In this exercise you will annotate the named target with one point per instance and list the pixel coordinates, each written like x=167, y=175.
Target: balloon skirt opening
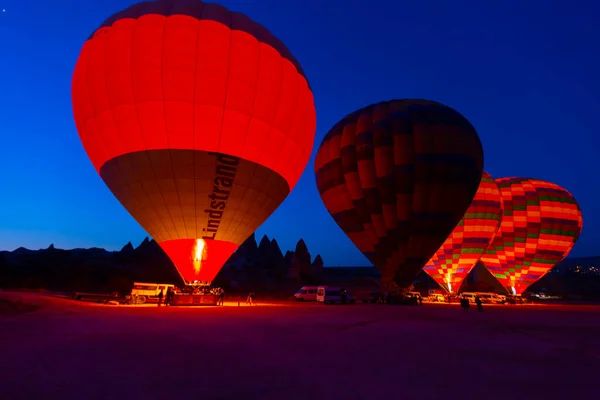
x=198, y=259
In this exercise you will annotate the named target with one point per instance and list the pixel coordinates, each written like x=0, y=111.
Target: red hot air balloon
x=397, y=177
x=470, y=238
x=198, y=120
x=540, y=225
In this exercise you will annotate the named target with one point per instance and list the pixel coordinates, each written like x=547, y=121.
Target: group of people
x=198, y=290
x=204, y=290
x=220, y=293
x=169, y=297
x=202, y=283
x=464, y=303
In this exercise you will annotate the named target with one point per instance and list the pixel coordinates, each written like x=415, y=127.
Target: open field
x=59, y=349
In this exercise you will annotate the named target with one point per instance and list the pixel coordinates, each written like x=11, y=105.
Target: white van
x=306, y=293
x=333, y=295
x=469, y=296
x=490, y=298
x=148, y=292
x=437, y=297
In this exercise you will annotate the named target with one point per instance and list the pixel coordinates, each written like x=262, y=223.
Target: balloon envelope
x=397, y=177
x=470, y=238
x=198, y=120
x=540, y=224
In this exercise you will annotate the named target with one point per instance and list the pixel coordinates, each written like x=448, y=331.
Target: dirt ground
x=61, y=349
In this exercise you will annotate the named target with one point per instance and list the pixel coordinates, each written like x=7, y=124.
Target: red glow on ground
x=183, y=253
x=71, y=349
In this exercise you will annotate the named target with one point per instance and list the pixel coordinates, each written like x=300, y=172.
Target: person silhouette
x=464, y=303
x=479, y=304
x=160, y=297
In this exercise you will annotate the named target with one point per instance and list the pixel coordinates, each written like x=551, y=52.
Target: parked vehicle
x=306, y=293
x=437, y=297
x=515, y=299
x=148, y=292
x=405, y=299
x=413, y=298
x=334, y=295
x=490, y=298
x=469, y=296
x=374, y=297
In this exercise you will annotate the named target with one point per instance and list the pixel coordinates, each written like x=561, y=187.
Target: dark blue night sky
x=525, y=73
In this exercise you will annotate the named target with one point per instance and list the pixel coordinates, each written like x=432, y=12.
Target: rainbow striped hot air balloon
x=540, y=224
x=464, y=247
x=397, y=177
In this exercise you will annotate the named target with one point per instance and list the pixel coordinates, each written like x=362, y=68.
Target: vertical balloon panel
x=345, y=204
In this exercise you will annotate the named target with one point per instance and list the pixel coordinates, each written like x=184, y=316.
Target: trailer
x=97, y=297
x=148, y=292
x=183, y=299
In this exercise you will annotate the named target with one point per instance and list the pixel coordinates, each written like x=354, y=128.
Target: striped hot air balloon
x=540, y=225
x=470, y=238
x=199, y=121
x=397, y=177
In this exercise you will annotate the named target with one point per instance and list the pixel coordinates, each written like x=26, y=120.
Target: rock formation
x=262, y=268
x=251, y=267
